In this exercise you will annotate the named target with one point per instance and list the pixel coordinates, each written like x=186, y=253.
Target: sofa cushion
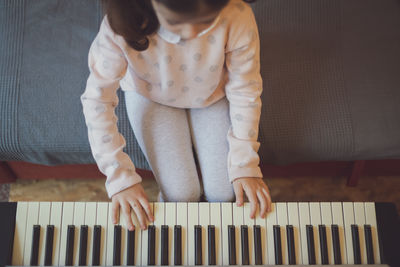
x=44, y=49
x=330, y=71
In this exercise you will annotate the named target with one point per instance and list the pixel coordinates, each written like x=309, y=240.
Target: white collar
x=175, y=38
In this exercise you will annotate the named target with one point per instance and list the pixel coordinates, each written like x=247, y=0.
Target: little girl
x=190, y=72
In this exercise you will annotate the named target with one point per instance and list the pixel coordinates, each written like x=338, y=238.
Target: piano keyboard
x=304, y=233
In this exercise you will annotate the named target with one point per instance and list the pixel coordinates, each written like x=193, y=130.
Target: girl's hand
x=133, y=198
x=255, y=188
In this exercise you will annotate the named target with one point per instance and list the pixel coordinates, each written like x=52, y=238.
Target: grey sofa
x=331, y=73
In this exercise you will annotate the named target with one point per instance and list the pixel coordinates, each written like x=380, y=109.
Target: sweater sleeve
x=243, y=91
x=107, y=65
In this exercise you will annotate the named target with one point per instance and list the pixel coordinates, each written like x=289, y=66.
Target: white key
x=293, y=219
x=145, y=236
x=182, y=220
x=32, y=219
x=110, y=237
x=19, y=234
x=337, y=218
x=193, y=219
x=237, y=213
x=67, y=219
x=90, y=221
x=170, y=220
x=348, y=219
x=304, y=220
x=326, y=219
x=79, y=219
x=282, y=221
x=158, y=221
x=43, y=221
x=204, y=221
x=215, y=219
x=102, y=220
x=359, y=219
x=271, y=221
x=263, y=229
x=226, y=212
x=56, y=219
x=315, y=219
x=370, y=218
x=250, y=223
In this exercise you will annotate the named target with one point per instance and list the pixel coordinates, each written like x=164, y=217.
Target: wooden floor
x=373, y=189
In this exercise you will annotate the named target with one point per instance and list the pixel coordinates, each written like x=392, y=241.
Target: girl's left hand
x=256, y=190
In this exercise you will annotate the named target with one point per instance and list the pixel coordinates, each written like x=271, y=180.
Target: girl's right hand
x=133, y=198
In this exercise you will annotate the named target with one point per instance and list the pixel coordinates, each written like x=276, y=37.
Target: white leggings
x=167, y=136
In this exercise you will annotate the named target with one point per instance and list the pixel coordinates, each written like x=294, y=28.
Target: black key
x=197, y=247
x=130, y=246
x=69, y=254
x=356, y=244
x=151, y=245
x=211, y=245
x=83, y=245
x=35, y=245
x=336, y=244
x=117, y=245
x=323, y=244
x=277, y=245
x=245, y=244
x=257, y=245
x=310, y=245
x=368, y=244
x=48, y=256
x=178, y=245
x=8, y=212
x=96, y=245
x=232, y=245
x=290, y=243
x=164, y=244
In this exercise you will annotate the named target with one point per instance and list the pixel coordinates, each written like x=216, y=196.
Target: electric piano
x=200, y=233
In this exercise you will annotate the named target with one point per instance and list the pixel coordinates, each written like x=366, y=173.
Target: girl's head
x=136, y=19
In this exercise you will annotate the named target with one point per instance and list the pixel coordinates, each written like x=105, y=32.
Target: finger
x=263, y=203
x=126, y=211
x=137, y=207
x=146, y=206
x=115, y=211
x=237, y=187
x=253, y=202
x=268, y=196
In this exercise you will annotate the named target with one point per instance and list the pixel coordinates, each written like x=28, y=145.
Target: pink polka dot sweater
x=193, y=73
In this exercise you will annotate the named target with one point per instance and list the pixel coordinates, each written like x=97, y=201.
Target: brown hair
x=134, y=20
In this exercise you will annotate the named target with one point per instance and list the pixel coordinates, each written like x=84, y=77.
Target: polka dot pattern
x=213, y=68
x=106, y=139
x=251, y=133
x=100, y=109
x=106, y=64
x=168, y=59
x=211, y=39
x=239, y=117
x=183, y=67
x=197, y=57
